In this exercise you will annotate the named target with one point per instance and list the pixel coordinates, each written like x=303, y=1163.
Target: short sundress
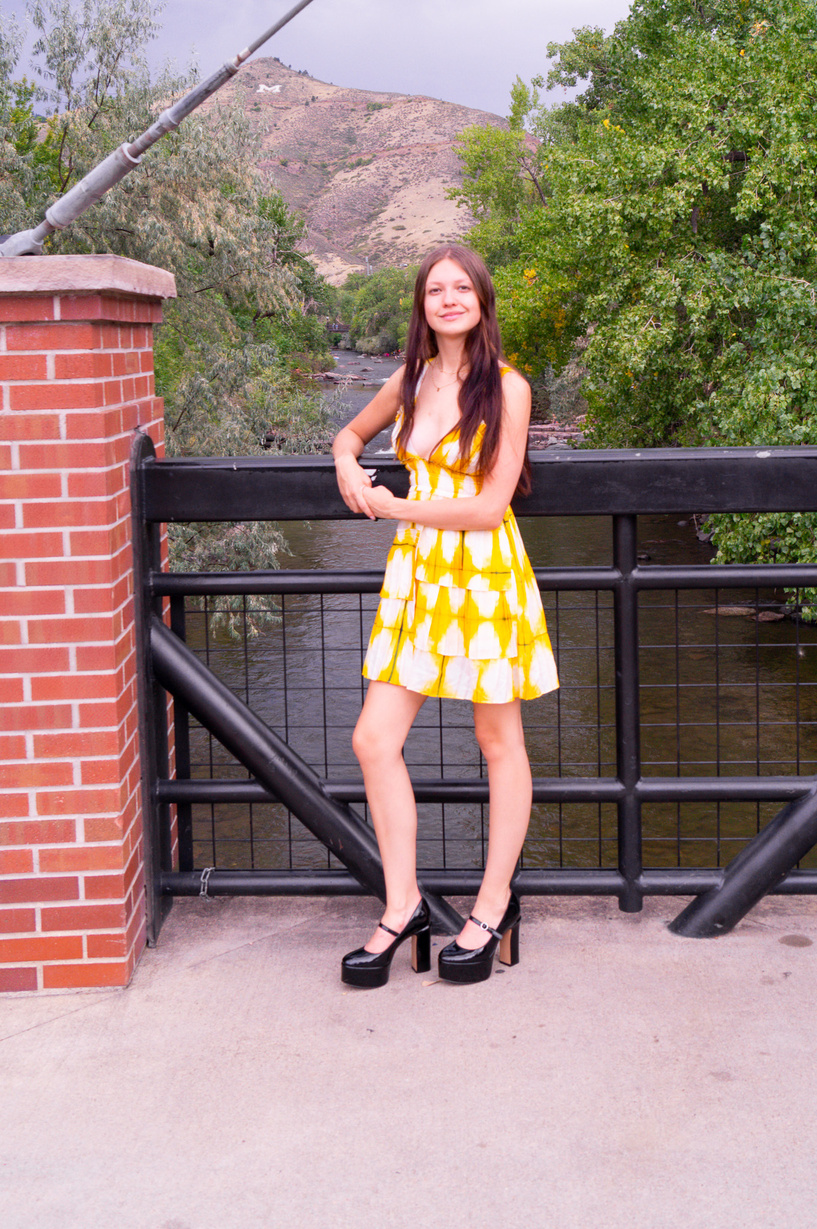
x=460, y=613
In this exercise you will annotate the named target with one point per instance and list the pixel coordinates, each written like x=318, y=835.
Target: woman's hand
x=353, y=438
x=378, y=501
x=352, y=482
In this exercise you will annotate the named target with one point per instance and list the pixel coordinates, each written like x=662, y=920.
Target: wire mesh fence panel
x=723, y=691
x=297, y=662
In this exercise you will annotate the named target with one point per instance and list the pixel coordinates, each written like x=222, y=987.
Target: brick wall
x=76, y=380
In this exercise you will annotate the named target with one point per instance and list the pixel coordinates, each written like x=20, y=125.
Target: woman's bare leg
x=499, y=732
x=382, y=728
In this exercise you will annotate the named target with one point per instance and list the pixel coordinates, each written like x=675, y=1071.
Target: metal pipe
x=340, y=883
x=723, y=789
x=545, y=789
x=726, y=576
x=295, y=580
x=628, y=742
x=673, y=881
x=276, y=766
x=470, y=789
x=154, y=759
x=758, y=868
x=181, y=753
x=557, y=881
x=212, y=882
x=93, y=186
x=710, y=576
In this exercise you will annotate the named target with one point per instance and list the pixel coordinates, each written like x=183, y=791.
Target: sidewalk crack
x=103, y=998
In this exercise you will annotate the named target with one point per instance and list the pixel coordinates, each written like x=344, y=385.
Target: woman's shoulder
x=393, y=387
x=512, y=380
x=396, y=377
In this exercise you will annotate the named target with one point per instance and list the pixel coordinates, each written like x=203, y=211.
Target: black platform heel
x=371, y=969
x=458, y=964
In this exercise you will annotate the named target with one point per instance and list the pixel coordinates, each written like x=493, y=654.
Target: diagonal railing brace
x=277, y=766
x=758, y=868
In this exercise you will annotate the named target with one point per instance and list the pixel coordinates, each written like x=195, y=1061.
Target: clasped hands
x=360, y=496
x=376, y=501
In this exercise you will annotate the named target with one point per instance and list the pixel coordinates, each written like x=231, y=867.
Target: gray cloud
x=465, y=51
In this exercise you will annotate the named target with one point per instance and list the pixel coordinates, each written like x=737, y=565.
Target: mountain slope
x=369, y=170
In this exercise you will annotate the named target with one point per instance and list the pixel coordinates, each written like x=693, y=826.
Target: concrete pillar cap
x=104, y=274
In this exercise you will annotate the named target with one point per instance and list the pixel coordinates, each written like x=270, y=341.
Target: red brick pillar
x=76, y=380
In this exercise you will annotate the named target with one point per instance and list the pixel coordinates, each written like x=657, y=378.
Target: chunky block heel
x=509, y=945
x=459, y=964
x=368, y=970
x=421, y=951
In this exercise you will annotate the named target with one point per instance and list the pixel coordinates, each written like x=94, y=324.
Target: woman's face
x=451, y=304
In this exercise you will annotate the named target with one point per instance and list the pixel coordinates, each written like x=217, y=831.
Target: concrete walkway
x=618, y=1078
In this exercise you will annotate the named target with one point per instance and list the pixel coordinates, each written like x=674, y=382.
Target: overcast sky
x=465, y=51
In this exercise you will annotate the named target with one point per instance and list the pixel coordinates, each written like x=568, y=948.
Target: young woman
x=460, y=614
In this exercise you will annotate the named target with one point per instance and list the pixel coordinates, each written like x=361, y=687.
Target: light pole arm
x=116, y=166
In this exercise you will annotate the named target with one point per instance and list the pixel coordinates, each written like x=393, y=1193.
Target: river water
x=720, y=694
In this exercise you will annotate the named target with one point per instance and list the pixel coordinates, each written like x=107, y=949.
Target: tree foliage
x=248, y=304
x=377, y=308
x=503, y=178
x=676, y=233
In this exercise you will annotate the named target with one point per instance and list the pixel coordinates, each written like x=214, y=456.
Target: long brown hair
x=480, y=395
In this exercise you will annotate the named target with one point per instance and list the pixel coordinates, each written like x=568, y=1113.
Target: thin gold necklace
x=440, y=387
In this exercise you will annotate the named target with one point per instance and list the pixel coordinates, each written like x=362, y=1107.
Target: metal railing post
x=152, y=701
x=628, y=740
x=181, y=748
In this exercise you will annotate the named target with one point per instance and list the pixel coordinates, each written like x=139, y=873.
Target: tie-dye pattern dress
x=460, y=613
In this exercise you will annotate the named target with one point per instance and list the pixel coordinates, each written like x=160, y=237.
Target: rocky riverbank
x=555, y=435
x=371, y=372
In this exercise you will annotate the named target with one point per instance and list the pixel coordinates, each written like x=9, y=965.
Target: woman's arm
x=353, y=438
x=487, y=509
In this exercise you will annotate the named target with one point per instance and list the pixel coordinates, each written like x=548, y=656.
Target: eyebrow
x=456, y=280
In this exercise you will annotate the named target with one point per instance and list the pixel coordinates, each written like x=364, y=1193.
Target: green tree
x=247, y=305
x=502, y=178
x=27, y=155
x=377, y=309
x=677, y=235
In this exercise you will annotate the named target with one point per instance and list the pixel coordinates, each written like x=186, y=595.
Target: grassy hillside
x=369, y=170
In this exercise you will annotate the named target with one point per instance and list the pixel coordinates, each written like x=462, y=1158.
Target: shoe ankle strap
x=388, y=929
x=484, y=926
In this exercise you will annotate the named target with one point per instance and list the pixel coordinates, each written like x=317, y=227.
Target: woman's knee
x=373, y=742
x=383, y=725
x=499, y=739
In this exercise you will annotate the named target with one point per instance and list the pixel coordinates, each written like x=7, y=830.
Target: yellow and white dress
x=460, y=613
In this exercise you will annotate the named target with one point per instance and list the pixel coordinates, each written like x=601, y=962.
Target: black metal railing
x=676, y=736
